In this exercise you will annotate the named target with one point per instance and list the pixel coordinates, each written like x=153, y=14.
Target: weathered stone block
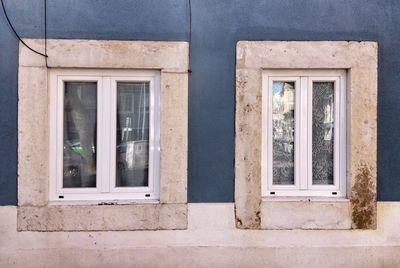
x=102, y=217
x=305, y=215
x=306, y=54
x=33, y=136
x=174, y=143
x=248, y=149
x=107, y=54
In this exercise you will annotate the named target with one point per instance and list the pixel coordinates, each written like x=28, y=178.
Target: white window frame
x=105, y=189
x=302, y=187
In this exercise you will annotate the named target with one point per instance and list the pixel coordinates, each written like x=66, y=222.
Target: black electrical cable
x=16, y=34
x=45, y=31
x=190, y=32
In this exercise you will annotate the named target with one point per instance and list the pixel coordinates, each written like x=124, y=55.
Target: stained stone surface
x=33, y=136
x=305, y=215
x=306, y=54
x=107, y=54
x=248, y=149
x=360, y=61
x=174, y=143
x=103, y=217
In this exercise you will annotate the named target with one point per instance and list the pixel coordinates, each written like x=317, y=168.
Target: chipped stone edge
x=33, y=193
x=360, y=59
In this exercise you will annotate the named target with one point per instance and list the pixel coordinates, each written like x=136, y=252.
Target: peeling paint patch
x=363, y=199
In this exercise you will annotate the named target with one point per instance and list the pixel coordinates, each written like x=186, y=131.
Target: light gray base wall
x=211, y=240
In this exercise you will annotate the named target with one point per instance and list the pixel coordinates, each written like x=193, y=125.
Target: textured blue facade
x=216, y=27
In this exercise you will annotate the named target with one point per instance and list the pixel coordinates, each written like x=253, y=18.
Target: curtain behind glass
x=322, y=132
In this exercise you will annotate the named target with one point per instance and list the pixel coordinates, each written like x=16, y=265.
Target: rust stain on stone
x=251, y=220
x=241, y=81
x=238, y=222
x=250, y=223
x=258, y=218
x=248, y=108
x=363, y=199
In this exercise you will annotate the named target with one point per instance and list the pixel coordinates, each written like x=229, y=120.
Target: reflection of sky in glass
x=277, y=87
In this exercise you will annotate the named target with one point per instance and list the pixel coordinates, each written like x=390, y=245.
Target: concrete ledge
x=211, y=240
x=218, y=256
x=305, y=215
x=103, y=217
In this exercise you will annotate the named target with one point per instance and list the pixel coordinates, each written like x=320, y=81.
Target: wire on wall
x=20, y=39
x=45, y=31
x=190, y=31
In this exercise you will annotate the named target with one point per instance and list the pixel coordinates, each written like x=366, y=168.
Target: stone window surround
x=358, y=210
x=34, y=211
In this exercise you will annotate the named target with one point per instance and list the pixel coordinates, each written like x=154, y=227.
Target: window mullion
x=156, y=95
x=309, y=131
x=269, y=135
x=340, y=134
x=113, y=134
x=104, y=119
x=151, y=135
x=60, y=130
x=303, y=131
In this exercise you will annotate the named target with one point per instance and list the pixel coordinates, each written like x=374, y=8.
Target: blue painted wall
x=216, y=27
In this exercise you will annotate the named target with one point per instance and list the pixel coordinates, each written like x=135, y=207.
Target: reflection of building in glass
x=132, y=133
x=283, y=114
x=133, y=111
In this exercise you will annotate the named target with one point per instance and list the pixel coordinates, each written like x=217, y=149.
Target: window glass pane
x=283, y=132
x=322, y=132
x=80, y=128
x=132, y=134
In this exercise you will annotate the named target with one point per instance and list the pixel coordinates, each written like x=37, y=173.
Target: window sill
x=102, y=202
x=304, y=199
x=126, y=217
x=305, y=213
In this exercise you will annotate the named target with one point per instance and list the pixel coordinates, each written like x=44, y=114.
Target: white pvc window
x=304, y=133
x=105, y=135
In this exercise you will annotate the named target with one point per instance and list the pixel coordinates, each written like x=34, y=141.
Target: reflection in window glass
x=322, y=132
x=283, y=132
x=80, y=116
x=132, y=134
